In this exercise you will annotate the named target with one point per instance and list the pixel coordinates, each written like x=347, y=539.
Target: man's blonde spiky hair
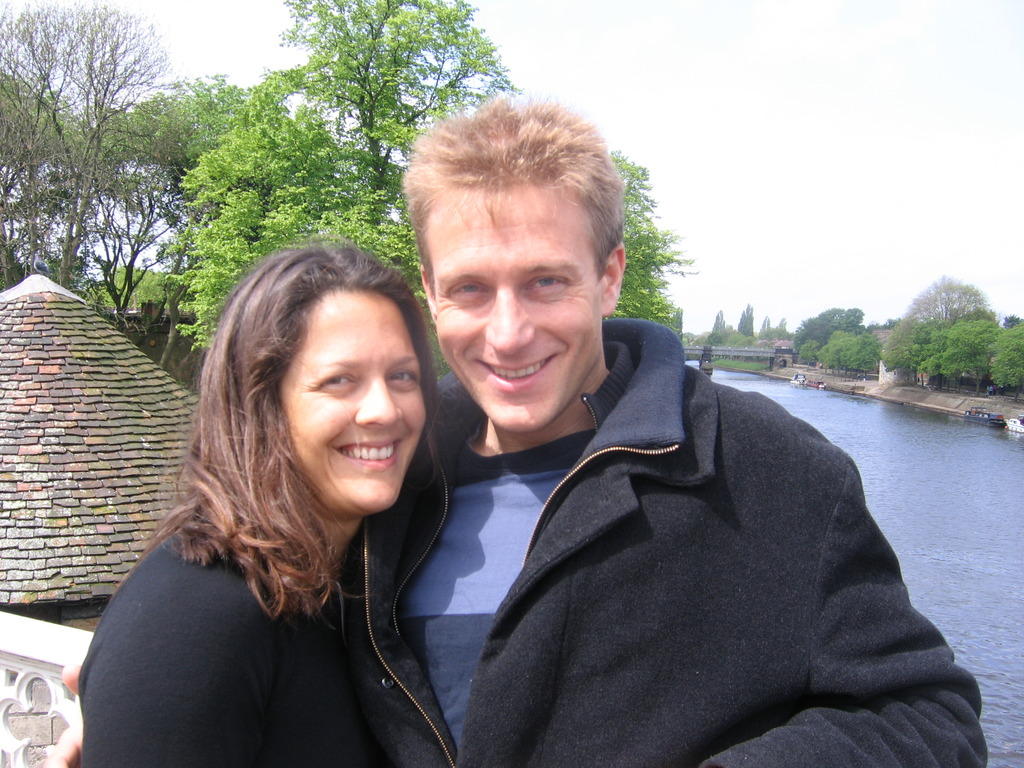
x=504, y=145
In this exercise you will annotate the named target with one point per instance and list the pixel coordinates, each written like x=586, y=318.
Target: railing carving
x=34, y=703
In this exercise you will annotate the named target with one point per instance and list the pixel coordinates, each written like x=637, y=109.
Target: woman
x=224, y=646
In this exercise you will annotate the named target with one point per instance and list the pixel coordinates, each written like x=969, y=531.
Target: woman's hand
x=67, y=752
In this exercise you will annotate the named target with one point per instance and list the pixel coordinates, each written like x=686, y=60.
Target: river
x=949, y=496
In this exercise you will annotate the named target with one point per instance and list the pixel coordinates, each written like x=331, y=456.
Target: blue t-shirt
x=447, y=609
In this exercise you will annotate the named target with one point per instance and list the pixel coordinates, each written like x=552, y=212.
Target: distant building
x=90, y=430
x=885, y=376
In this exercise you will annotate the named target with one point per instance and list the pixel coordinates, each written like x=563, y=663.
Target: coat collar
x=664, y=403
x=664, y=427
x=666, y=406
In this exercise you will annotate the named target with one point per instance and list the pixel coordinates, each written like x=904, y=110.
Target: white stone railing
x=34, y=704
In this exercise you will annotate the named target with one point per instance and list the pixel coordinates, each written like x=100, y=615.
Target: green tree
x=898, y=348
x=148, y=288
x=916, y=346
x=866, y=353
x=736, y=339
x=769, y=333
x=185, y=123
x=319, y=150
x=1011, y=321
x=950, y=301
x=821, y=327
x=851, y=352
x=888, y=325
x=920, y=341
x=677, y=321
x=831, y=353
x=809, y=352
x=68, y=76
x=141, y=205
x=270, y=181
x=652, y=253
x=931, y=349
x=746, y=323
x=720, y=331
x=1008, y=364
x=133, y=212
x=379, y=71
x=970, y=347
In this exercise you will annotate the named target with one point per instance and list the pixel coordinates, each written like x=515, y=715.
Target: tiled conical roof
x=90, y=429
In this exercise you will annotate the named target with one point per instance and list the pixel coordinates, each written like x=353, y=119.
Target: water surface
x=949, y=495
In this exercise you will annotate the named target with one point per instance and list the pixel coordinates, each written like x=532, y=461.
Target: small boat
x=800, y=380
x=985, y=417
x=1016, y=425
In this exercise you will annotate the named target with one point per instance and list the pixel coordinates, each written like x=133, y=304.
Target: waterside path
x=901, y=394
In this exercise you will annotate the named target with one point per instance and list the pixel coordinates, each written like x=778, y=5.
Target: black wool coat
x=706, y=587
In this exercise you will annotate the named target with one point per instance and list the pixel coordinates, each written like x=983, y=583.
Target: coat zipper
x=575, y=470
x=533, y=539
x=423, y=555
x=380, y=656
x=572, y=472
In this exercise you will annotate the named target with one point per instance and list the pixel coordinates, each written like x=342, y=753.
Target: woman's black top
x=185, y=669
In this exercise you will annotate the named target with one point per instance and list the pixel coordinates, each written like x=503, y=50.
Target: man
x=621, y=563
x=625, y=564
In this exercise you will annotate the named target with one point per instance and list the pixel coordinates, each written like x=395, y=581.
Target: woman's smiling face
x=354, y=405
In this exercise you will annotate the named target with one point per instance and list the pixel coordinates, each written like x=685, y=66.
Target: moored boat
x=985, y=417
x=1016, y=425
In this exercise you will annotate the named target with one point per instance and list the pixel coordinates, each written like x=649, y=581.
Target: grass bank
x=952, y=403
x=741, y=365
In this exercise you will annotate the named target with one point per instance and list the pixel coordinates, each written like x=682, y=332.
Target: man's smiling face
x=518, y=302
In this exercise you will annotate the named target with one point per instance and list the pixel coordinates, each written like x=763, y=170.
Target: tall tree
x=809, y=351
x=677, y=321
x=1011, y=321
x=66, y=77
x=1008, y=365
x=746, y=323
x=142, y=208
x=920, y=340
x=950, y=301
x=821, y=327
x=652, y=253
x=133, y=212
x=193, y=119
x=319, y=150
x=851, y=351
x=719, y=331
x=381, y=70
x=917, y=346
x=780, y=331
x=270, y=181
x=970, y=347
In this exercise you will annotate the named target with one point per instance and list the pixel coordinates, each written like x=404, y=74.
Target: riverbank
x=902, y=394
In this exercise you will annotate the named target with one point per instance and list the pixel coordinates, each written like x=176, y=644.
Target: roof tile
x=90, y=428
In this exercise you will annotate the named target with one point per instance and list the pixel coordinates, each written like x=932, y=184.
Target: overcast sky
x=809, y=153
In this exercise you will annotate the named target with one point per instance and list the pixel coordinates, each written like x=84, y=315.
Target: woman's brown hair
x=244, y=499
